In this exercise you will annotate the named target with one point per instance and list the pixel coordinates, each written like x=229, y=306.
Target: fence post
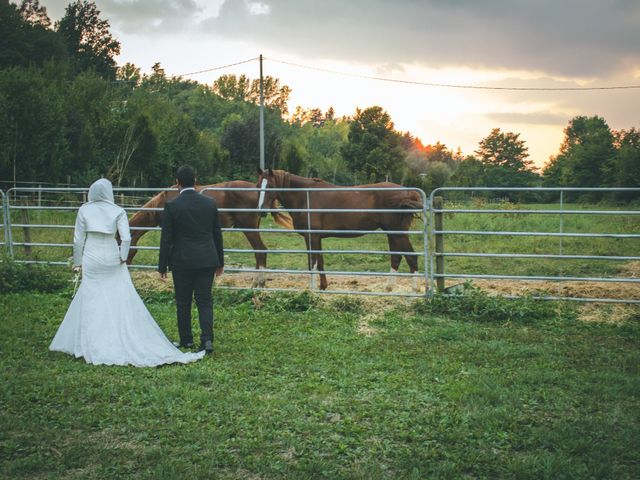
x=438, y=203
x=24, y=215
x=7, y=224
x=4, y=220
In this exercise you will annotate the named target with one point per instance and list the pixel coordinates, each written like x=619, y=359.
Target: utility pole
x=261, y=118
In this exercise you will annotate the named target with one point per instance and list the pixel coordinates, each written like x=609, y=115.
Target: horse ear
x=271, y=172
x=260, y=171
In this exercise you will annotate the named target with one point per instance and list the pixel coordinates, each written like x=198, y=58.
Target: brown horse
x=230, y=198
x=375, y=199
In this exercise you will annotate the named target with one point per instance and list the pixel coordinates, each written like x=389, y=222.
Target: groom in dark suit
x=191, y=247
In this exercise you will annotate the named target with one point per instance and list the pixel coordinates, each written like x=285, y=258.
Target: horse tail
x=411, y=201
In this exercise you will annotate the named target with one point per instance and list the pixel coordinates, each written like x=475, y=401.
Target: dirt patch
x=151, y=281
x=614, y=313
x=365, y=328
x=562, y=289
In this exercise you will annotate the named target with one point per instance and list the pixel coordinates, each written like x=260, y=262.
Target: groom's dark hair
x=186, y=176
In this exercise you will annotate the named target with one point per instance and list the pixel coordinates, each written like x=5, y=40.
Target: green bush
x=20, y=277
x=476, y=305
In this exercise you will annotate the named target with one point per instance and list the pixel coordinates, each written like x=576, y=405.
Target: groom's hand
x=163, y=276
x=219, y=271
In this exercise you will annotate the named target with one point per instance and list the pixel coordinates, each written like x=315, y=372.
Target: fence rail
x=440, y=215
x=23, y=209
x=435, y=220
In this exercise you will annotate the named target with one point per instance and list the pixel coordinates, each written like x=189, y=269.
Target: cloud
x=560, y=106
x=534, y=118
x=158, y=16
x=572, y=38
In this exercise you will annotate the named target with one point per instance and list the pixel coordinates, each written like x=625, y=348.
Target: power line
x=218, y=68
x=450, y=85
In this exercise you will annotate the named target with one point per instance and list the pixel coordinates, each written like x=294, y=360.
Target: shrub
x=476, y=305
x=289, y=302
x=20, y=277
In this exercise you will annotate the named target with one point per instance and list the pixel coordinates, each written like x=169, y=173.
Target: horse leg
x=261, y=258
x=316, y=244
x=315, y=261
x=395, y=261
x=310, y=264
x=135, y=237
x=404, y=245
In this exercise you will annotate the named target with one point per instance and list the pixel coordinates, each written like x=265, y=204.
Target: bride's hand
x=77, y=269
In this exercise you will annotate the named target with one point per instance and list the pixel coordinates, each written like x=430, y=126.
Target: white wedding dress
x=107, y=323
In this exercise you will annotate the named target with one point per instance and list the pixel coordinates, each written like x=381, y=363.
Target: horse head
x=267, y=181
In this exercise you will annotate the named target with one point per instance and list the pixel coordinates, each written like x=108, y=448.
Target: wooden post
x=438, y=203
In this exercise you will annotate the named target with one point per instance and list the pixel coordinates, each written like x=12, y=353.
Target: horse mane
x=148, y=217
x=281, y=218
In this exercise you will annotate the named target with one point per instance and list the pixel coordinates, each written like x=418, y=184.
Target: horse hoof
x=388, y=288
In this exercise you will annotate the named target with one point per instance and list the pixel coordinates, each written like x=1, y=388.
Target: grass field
x=336, y=388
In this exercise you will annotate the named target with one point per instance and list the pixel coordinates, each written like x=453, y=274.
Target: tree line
x=68, y=112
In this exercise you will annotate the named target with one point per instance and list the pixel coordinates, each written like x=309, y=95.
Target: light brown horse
x=375, y=199
x=230, y=198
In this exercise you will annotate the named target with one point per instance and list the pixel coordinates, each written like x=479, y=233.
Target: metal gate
x=435, y=228
x=26, y=197
x=447, y=212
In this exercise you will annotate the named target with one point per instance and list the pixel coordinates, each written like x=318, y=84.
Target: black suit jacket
x=191, y=235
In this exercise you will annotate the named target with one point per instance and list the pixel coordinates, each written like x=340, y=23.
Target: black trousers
x=188, y=284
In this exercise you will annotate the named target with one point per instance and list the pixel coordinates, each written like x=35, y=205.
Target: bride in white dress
x=107, y=323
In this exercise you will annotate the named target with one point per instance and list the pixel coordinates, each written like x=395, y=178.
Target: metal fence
x=432, y=232
x=275, y=273
x=439, y=232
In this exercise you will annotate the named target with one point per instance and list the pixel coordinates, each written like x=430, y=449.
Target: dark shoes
x=207, y=347
x=188, y=346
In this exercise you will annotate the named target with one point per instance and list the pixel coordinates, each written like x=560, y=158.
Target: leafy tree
x=232, y=87
x=504, y=157
x=624, y=168
x=374, y=149
x=34, y=14
x=88, y=39
x=25, y=39
x=293, y=157
x=441, y=153
x=91, y=104
x=587, y=148
x=470, y=172
x=505, y=150
x=241, y=88
x=31, y=127
x=324, y=146
x=129, y=74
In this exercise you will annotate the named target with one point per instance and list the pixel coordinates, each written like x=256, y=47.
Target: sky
x=334, y=44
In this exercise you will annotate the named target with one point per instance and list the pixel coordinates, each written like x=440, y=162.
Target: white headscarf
x=101, y=191
x=100, y=213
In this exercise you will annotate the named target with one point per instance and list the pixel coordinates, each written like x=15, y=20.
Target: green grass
x=453, y=243
x=295, y=390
